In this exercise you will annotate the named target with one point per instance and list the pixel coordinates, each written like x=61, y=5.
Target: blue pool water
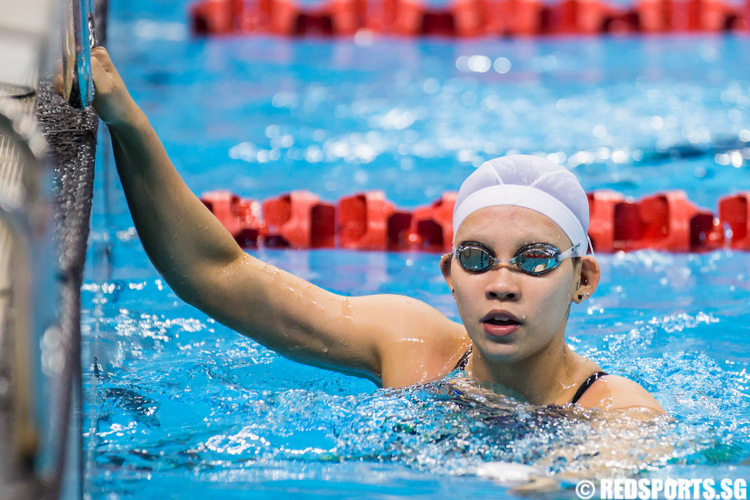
x=177, y=406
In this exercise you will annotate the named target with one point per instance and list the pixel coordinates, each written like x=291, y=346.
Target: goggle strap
x=591, y=246
x=570, y=252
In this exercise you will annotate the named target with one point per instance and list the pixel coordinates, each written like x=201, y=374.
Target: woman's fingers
x=59, y=82
x=111, y=98
x=103, y=71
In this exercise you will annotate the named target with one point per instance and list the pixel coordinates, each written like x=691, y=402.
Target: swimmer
x=519, y=262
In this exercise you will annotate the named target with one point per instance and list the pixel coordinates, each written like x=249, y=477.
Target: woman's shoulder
x=416, y=343
x=612, y=392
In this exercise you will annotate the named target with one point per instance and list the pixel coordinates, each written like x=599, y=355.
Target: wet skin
x=392, y=340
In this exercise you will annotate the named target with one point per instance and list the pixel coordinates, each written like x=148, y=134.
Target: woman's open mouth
x=500, y=324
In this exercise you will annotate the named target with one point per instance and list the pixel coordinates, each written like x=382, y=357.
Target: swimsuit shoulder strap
x=464, y=360
x=586, y=384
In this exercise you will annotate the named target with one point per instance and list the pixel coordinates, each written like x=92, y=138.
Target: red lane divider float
x=241, y=217
x=466, y=18
x=299, y=220
x=368, y=221
x=734, y=211
x=432, y=226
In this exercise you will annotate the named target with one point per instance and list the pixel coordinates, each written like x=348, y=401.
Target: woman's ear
x=590, y=274
x=445, y=267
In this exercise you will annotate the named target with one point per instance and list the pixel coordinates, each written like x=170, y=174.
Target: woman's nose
x=503, y=284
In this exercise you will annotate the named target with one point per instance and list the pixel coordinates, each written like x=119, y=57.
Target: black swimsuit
x=461, y=365
x=585, y=386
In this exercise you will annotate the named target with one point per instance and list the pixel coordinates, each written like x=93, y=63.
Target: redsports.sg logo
x=666, y=489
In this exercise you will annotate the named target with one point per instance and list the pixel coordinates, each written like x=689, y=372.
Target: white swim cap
x=528, y=182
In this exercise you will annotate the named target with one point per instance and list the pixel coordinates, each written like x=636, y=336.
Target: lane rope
x=666, y=221
x=466, y=18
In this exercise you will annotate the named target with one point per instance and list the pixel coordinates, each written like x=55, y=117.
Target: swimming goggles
x=534, y=259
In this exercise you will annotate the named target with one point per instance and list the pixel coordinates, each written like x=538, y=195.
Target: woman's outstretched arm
x=371, y=336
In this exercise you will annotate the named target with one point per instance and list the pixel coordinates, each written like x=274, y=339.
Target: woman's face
x=508, y=314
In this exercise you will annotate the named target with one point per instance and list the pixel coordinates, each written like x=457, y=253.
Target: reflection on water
x=455, y=426
x=174, y=393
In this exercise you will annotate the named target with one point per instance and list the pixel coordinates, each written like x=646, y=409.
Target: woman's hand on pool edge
x=112, y=101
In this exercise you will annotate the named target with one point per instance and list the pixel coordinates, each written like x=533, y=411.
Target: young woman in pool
x=519, y=262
